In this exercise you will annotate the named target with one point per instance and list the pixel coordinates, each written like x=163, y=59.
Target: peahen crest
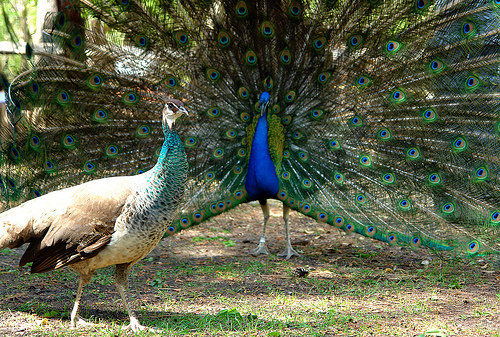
x=383, y=116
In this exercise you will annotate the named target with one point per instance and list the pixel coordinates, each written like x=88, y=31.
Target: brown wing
x=80, y=225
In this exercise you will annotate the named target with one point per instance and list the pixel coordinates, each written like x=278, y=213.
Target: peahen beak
x=183, y=110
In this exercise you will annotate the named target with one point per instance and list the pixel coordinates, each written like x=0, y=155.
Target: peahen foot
x=289, y=252
x=261, y=249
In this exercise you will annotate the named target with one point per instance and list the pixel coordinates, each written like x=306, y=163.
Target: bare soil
x=327, y=254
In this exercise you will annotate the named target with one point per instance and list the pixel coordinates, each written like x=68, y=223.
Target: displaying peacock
x=376, y=117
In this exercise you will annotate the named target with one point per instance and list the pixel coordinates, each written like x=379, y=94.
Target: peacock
x=111, y=221
x=376, y=117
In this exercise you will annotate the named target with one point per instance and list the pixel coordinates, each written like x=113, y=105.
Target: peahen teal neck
x=261, y=181
x=163, y=185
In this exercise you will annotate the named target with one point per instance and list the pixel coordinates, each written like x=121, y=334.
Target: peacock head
x=173, y=109
x=264, y=101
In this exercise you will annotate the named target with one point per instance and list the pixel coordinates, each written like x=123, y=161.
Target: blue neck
x=261, y=181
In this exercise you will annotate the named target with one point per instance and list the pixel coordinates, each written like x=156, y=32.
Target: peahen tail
x=383, y=115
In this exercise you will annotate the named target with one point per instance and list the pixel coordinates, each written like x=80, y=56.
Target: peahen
x=376, y=117
x=104, y=222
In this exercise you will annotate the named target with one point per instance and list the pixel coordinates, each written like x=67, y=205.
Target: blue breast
x=261, y=181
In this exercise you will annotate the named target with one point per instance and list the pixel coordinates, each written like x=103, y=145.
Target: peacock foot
x=288, y=253
x=135, y=326
x=260, y=250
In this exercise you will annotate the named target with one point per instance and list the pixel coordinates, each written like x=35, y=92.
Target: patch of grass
x=351, y=290
x=6, y=251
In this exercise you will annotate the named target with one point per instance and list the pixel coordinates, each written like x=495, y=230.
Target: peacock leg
x=262, y=248
x=121, y=278
x=289, y=251
x=82, y=282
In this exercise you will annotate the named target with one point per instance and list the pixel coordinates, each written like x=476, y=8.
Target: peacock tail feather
x=383, y=118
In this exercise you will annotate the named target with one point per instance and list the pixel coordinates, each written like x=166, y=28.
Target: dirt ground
x=323, y=248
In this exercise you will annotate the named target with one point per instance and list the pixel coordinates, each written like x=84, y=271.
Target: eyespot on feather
x=267, y=29
x=384, y=134
x=250, y=58
x=130, y=98
x=241, y=9
x=213, y=75
x=33, y=89
x=324, y=77
x=100, y=115
x=95, y=81
x=223, y=39
x=429, y=115
x=89, y=167
x=436, y=66
x=388, y=178
x=141, y=41
x=285, y=57
x=214, y=112
x=143, y=130
x=243, y=93
x=191, y=142
x=68, y=141
x=319, y=43
x=459, y=144
x=290, y=96
x=181, y=38
x=363, y=81
x=111, y=151
x=355, y=41
x=295, y=10
x=63, y=98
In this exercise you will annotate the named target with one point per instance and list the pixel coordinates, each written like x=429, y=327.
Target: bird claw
x=260, y=250
x=288, y=253
x=80, y=322
x=135, y=326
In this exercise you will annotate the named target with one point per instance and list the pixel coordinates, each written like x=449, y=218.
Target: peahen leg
x=262, y=248
x=82, y=282
x=289, y=251
x=121, y=278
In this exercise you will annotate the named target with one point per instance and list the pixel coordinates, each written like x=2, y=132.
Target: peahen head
x=173, y=109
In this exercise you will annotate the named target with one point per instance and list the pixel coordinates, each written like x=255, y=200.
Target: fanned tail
x=383, y=117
